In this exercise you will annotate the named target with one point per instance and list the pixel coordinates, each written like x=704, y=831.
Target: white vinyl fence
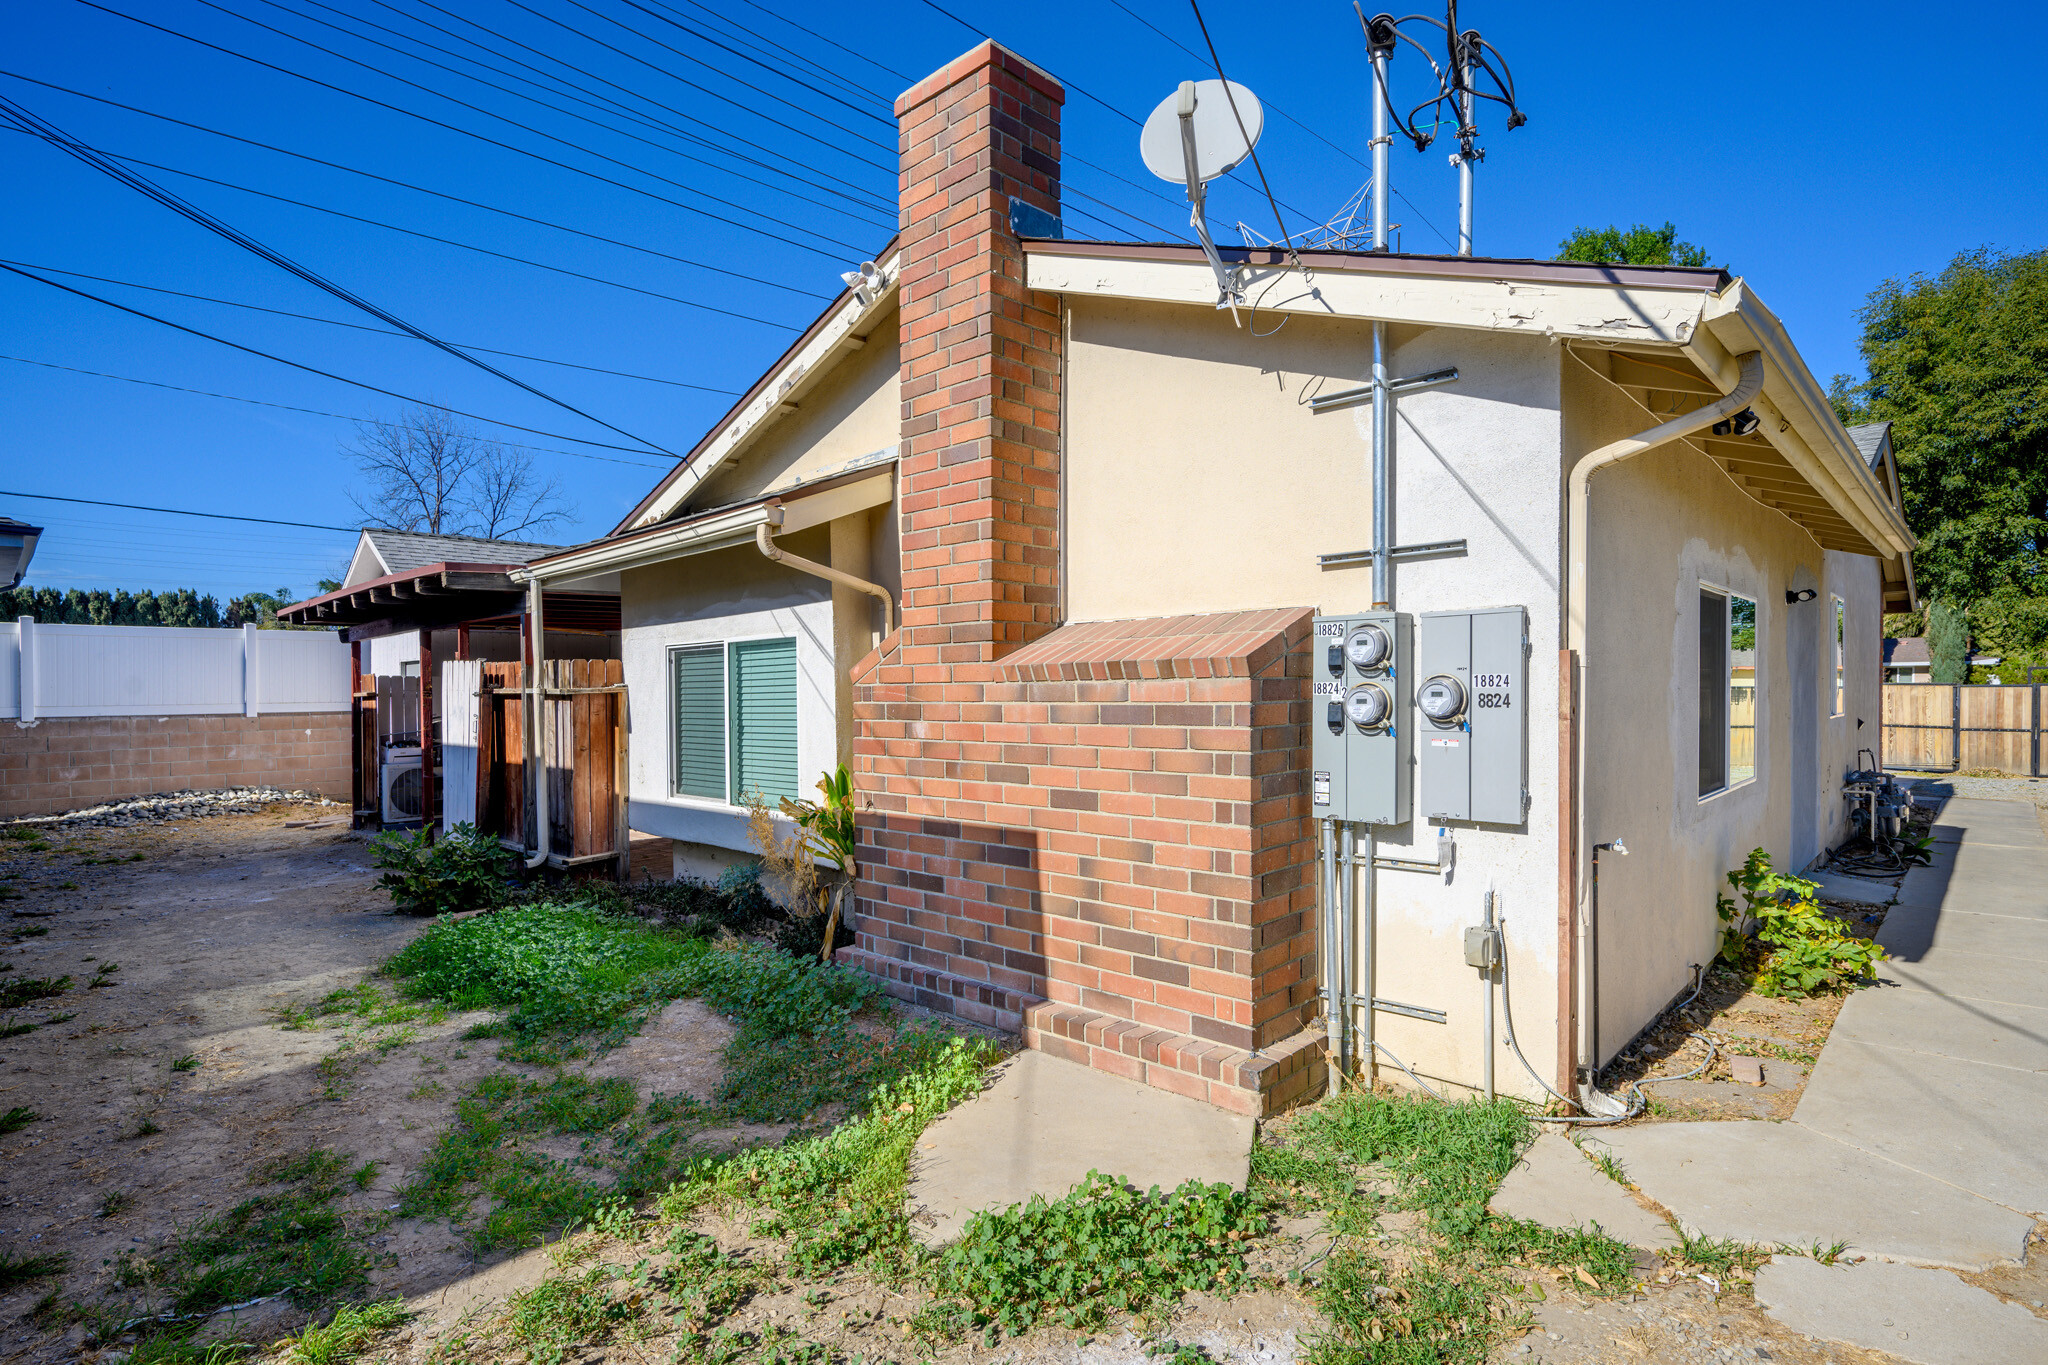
x=48, y=672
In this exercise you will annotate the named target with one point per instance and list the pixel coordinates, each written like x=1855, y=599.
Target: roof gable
x=399, y=551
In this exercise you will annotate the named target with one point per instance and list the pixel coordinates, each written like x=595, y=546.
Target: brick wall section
x=56, y=765
x=980, y=360
x=1103, y=840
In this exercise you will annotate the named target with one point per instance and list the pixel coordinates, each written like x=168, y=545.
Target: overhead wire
x=364, y=327
x=722, y=47
x=340, y=379
x=453, y=128
x=286, y=407
x=607, y=105
x=833, y=42
x=177, y=511
x=192, y=212
x=524, y=127
x=419, y=189
x=746, y=36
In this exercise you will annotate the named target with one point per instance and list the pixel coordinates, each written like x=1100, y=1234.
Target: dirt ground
x=196, y=942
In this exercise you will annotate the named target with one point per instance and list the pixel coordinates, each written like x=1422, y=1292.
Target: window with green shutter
x=699, y=682
x=761, y=710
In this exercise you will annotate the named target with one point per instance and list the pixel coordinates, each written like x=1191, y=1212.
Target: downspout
x=536, y=729
x=764, y=538
x=1578, y=514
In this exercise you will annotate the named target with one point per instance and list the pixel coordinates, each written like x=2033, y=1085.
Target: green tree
x=1958, y=364
x=1948, y=643
x=1637, y=245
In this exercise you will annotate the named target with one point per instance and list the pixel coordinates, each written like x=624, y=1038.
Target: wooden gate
x=1944, y=727
x=583, y=715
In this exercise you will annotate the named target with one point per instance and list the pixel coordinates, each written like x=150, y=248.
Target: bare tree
x=431, y=472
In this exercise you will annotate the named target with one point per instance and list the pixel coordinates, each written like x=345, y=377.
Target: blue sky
x=1814, y=149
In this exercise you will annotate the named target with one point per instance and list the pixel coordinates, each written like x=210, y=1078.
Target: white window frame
x=724, y=646
x=1838, y=618
x=1728, y=782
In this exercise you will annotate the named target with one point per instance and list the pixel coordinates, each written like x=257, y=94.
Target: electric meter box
x=1472, y=715
x=1361, y=751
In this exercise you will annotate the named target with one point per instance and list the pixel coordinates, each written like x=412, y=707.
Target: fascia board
x=786, y=384
x=1552, y=308
x=801, y=513
x=1823, y=453
x=717, y=532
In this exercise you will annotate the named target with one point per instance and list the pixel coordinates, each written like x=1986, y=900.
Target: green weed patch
x=18, y=992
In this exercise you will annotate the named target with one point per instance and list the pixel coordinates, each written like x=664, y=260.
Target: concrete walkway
x=1045, y=1123
x=1923, y=1133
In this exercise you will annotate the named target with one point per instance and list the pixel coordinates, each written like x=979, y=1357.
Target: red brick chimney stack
x=981, y=361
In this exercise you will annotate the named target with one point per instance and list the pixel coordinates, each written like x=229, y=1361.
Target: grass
x=146, y=1127
x=1449, y=1296
x=365, y=1004
x=16, y=1271
x=17, y=1118
x=343, y=1336
x=20, y=991
x=187, y=1062
x=114, y=1203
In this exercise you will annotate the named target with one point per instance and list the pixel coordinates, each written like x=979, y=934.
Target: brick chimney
x=981, y=361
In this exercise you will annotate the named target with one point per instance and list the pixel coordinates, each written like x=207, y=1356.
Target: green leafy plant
x=17, y=1118
x=16, y=993
x=1798, y=948
x=343, y=1337
x=824, y=835
x=464, y=869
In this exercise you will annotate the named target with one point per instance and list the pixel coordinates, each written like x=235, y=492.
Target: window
x=1727, y=690
x=735, y=719
x=1841, y=634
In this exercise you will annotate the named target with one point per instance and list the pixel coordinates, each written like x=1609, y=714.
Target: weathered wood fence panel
x=1943, y=727
x=583, y=724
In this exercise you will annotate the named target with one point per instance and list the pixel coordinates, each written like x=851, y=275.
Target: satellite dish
x=1218, y=143
x=1201, y=131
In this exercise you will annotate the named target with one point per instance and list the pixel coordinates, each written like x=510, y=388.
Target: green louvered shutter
x=762, y=702
x=700, y=720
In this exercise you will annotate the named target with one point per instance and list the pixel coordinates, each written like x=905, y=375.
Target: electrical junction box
x=1472, y=714
x=1361, y=749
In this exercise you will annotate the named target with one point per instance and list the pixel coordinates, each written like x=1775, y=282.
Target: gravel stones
x=179, y=805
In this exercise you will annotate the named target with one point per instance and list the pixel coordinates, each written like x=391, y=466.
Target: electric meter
x=1441, y=698
x=1368, y=706
x=1368, y=647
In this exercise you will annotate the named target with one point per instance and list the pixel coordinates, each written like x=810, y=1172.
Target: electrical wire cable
x=363, y=327
x=746, y=36
x=326, y=374
x=287, y=407
x=418, y=189
x=722, y=47
x=524, y=127
x=63, y=141
x=450, y=127
x=614, y=109
x=831, y=42
x=450, y=241
x=780, y=165
x=178, y=511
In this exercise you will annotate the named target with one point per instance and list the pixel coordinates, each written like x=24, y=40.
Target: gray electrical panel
x=1471, y=715
x=1361, y=747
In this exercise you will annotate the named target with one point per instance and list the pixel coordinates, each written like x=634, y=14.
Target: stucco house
x=1036, y=537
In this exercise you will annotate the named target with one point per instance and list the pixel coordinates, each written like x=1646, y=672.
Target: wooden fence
x=583, y=713
x=1944, y=727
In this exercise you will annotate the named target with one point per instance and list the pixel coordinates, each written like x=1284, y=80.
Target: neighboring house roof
x=17, y=547
x=382, y=552
x=1870, y=438
x=1909, y=649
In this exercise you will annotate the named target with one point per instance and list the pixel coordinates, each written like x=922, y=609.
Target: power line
x=830, y=42
x=324, y=374
x=362, y=327
x=745, y=36
x=465, y=132
x=677, y=24
x=408, y=185
x=505, y=90
x=113, y=169
x=929, y=4
x=266, y=403
x=180, y=512
x=779, y=166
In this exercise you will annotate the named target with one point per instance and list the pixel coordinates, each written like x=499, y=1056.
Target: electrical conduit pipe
x=1578, y=537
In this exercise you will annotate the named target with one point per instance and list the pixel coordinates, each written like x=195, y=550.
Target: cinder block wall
x=51, y=766
x=1095, y=833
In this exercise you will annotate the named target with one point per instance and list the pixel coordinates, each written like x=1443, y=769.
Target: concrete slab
x=1046, y=1123
x=1911, y=932
x=1556, y=1185
x=1984, y=1128
x=1926, y=1316
x=1854, y=890
x=1990, y=1031
x=1968, y=976
x=1986, y=880
x=1780, y=1183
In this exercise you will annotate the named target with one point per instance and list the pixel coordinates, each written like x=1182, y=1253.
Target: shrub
x=804, y=935
x=746, y=903
x=462, y=870
x=1799, y=948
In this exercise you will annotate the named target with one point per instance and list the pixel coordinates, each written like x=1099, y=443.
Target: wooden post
x=427, y=731
x=1567, y=872
x=622, y=830
x=462, y=643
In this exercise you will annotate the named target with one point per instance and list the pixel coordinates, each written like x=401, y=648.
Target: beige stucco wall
x=1197, y=480
x=1663, y=524
x=853, y=410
